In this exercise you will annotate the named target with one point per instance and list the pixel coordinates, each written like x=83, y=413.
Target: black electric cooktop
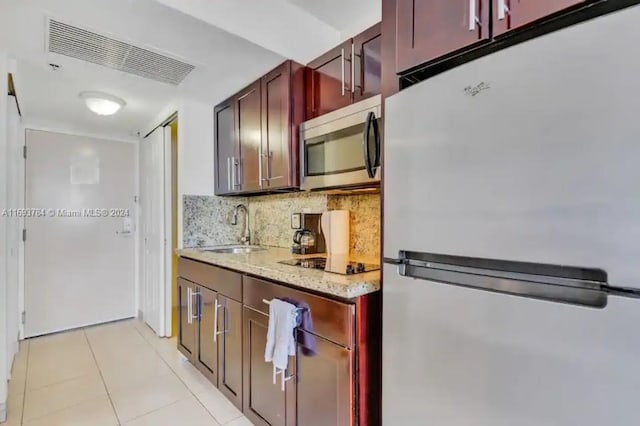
x=339, y=265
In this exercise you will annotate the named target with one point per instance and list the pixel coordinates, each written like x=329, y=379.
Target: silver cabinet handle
x=342, y=64
x=229, y=173
x=269, y=157
x=503, y=9
x=284, y=379
x=261, y=159
x=189, y=307
x=237, y=182
x=353, y=68
x=473, y=14
x=190, y=316
x=215, y=322
x=196, y=294
x=233, y=173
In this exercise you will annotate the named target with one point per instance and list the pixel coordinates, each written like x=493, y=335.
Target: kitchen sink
x=234, y=249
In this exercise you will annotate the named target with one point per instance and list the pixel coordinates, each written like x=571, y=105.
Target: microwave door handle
x=376, y=134
x=365, y=143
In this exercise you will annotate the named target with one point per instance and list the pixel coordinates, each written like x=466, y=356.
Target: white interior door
x=79, y=265
x=154, y=242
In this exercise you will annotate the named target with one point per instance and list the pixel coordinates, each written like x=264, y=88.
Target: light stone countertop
x=265, y=264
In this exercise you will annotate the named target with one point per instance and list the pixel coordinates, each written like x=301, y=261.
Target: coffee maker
x=308, y=237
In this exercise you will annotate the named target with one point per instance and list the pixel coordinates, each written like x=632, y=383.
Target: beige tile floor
x=114, y=374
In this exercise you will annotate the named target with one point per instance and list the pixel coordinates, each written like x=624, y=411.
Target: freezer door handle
x=555, y=283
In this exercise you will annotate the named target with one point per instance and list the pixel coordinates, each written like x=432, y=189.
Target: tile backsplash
x=207, y=219
x=364, y=221
x=271, y=216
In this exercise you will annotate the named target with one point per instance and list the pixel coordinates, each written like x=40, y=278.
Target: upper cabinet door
x=368, y=63
x=428, y=29
x=511, y=14
x=329, y=81
x=225, y=147
x=282, y=104
x=248, y=170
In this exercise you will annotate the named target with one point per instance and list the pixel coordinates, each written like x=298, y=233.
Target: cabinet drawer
x=221, y=280
x=332, y=320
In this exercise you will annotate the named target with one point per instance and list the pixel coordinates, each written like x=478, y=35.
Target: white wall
x=3, y=235
x=195, y=149
x=195, y=153
x=368, y=17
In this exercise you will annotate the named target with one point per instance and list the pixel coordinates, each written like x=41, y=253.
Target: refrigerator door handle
x=554, y=283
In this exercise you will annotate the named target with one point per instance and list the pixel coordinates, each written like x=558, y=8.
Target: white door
x=154, y=243
x=79, y=265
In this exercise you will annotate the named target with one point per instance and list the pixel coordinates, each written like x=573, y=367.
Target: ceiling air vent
x=88, y=46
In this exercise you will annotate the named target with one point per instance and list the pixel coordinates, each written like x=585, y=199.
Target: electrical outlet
x=296, y=221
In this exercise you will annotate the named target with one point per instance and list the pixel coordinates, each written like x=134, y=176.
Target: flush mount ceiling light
x=102, y=103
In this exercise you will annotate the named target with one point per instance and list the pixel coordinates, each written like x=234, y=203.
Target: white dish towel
x=280, y=341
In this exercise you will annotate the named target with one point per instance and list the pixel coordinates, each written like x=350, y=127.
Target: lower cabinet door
x=187, y=319
x=207, y=354
x=264, y=403
x=325, y=391
x=230, y=349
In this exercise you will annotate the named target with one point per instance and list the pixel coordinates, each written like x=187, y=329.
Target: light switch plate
x=296, y=221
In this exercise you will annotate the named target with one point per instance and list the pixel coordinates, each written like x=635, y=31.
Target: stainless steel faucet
x=246, y=235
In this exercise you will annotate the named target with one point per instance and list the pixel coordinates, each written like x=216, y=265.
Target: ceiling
x=228, y=47
x=349, y=17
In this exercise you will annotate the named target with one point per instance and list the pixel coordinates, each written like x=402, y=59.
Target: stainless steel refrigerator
x=512, y=236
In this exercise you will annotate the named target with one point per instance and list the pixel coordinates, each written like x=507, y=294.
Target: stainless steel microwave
x=341, y=149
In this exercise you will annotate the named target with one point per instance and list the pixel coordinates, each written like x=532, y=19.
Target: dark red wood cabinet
x=346, y=74
x=368, y=63
x=429, y=29
x=324, y=384
x=511, y=14
x=256, y=134
x=249, y=139
x=206, y=357
x=328, y=82
x=282, y=112
x=225, y=147
x=186, y=325
x=265, y=403
x=426, y=30
x=229, y=339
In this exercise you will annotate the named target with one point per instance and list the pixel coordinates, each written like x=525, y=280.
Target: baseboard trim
x=3, y=412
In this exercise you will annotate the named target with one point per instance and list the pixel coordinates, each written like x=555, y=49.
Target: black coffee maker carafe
x=309, y=238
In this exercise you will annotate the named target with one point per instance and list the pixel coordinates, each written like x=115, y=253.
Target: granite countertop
x=265, y=264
